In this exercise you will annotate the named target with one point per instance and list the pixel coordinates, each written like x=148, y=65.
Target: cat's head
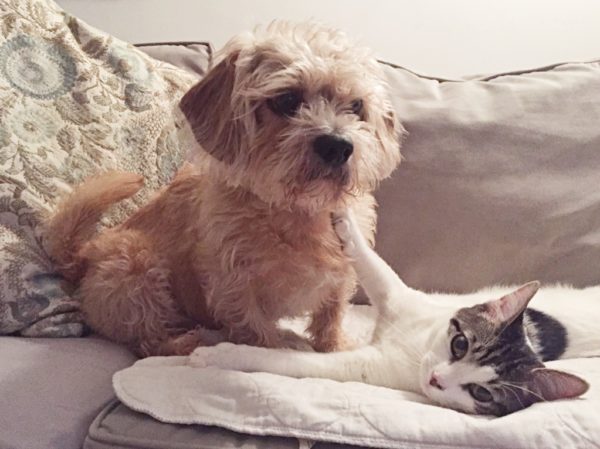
x=484, y=364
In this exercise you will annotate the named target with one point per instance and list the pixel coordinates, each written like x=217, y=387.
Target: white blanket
x=354, y=413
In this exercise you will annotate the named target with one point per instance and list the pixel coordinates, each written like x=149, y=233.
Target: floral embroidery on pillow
x=73, y=101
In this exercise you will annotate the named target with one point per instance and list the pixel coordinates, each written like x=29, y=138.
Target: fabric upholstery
x=499, y=182
x=52, y=388
x=73, y=101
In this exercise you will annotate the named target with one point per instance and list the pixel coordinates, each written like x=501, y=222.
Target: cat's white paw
x=223, y=355
x=346, y=230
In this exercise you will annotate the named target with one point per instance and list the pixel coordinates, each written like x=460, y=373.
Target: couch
x=499, y=185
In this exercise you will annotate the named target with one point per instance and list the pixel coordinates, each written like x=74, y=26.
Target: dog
x=291, y=124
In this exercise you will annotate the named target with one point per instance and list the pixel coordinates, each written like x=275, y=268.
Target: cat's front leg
x=285, y=362
x=381, y=284
x=366, y=364
x=234, y=357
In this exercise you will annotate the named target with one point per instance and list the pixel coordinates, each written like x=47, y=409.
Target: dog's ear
x=390, y=133
x=209, y=109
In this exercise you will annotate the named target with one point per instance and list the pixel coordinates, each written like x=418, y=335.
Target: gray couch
x=464, y=139
x=52, y=389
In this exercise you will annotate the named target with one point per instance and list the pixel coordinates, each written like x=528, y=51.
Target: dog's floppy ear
x=209, y=109
x=390, y=133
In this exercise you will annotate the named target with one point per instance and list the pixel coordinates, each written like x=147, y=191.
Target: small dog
x=291, y=124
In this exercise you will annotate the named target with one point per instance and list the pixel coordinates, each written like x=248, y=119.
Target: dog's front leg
x=326, y=324
x=242, y=314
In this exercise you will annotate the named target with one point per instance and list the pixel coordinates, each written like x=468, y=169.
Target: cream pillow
x=73, y=101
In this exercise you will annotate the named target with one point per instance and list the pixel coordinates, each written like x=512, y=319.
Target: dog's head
x=297, y=115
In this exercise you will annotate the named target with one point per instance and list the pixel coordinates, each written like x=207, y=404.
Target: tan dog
x=292, y=124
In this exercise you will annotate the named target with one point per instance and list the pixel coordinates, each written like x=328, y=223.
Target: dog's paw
x=223, y=355
x=291, y=340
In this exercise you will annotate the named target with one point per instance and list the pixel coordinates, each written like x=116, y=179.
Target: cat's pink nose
x=435, y=381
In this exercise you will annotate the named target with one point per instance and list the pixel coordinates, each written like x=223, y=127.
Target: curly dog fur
x=291, y=124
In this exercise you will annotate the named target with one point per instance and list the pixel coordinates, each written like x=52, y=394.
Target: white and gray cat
x=467, y=352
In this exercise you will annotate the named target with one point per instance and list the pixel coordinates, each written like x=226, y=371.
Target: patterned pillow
x=73, y=101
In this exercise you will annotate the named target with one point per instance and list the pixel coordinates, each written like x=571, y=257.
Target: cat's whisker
x=514, y=393
x=527, y=390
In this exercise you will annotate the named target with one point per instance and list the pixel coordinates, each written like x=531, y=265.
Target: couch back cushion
x=500, y=182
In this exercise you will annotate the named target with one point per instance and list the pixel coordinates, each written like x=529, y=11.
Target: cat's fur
x=419, y=341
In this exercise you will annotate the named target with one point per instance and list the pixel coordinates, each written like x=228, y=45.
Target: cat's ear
x=506, y=309
x=552, y=384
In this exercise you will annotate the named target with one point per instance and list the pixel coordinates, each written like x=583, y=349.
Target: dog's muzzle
x=333, y=150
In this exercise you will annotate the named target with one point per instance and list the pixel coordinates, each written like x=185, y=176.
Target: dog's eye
x=286, y=103
x=357, y=106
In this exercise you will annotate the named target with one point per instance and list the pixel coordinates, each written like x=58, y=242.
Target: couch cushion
x=52, y=389
x=194, y=57
x=73, y=101
x=499, y=182
x=118, y=427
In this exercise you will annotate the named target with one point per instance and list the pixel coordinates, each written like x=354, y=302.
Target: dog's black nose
x=334, y=150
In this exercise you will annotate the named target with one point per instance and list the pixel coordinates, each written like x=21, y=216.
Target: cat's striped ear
x=552, y=384
x=506, y=309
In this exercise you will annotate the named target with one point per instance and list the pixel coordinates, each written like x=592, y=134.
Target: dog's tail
x=76, y=217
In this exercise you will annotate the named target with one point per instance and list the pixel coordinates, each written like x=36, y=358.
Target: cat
x=469, y=352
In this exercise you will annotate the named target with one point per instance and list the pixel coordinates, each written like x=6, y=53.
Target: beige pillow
x=73, y=101
x=500, y=182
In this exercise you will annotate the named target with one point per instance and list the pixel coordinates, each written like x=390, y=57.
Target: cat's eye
x=479, y=393
x=459, y=346
x=286, y=103
x=357, y=106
